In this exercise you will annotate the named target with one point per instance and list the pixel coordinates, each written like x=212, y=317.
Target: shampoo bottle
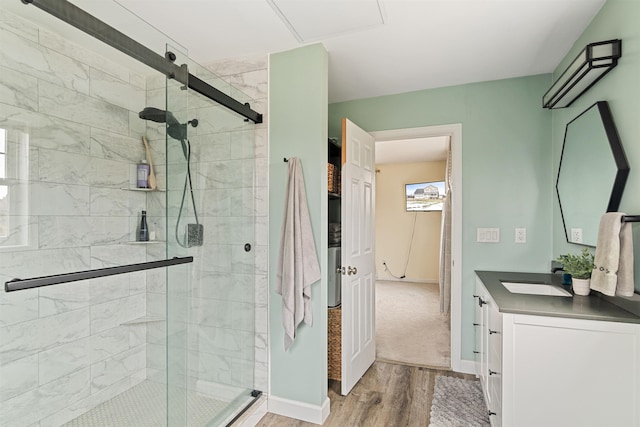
x=143, y=234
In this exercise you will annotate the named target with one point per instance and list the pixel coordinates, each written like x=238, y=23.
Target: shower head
x=157, y=115
x=175, y=129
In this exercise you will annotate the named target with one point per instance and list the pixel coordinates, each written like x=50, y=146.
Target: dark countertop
x=592, y=307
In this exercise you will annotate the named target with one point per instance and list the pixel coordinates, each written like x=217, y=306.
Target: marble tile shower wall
x=248, y=151
x=227, y=299
x=72, y=117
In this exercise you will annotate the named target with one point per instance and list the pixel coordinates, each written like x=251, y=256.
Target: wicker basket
x=331, y=180
x=334, y=350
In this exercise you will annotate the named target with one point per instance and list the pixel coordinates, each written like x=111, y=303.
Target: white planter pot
x=581, y=286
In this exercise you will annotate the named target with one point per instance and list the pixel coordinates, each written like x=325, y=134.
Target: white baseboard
x=299, y=410
x=406, y=279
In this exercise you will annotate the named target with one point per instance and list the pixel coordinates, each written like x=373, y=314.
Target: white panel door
x=358, y=261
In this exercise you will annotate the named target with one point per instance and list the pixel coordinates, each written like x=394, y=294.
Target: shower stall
x=98, y=328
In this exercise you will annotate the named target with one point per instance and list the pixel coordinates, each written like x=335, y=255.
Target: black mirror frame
x=619, y=157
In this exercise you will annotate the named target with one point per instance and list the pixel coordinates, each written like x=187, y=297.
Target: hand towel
x=613, y=271
x=298, y=266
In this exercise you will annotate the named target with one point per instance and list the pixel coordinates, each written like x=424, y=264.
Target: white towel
x=613, y=272
x=298, y=266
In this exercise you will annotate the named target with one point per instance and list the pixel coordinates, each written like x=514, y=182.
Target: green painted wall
x=506, y=167
x=511, y=150
x=618, y=19
x=298, y=81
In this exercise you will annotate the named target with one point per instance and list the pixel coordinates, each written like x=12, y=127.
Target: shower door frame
x=94, y=27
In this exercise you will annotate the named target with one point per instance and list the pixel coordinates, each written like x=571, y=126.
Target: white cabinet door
x=494, y=363
x=483, y=332
x=477, y=327
x=490, y=357
x=570, y=372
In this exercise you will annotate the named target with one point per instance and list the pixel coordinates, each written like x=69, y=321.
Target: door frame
x=454, y=131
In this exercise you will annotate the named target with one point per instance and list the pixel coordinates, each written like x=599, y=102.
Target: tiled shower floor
x=144, y=406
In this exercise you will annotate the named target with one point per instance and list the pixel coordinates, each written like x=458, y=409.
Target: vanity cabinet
x=549, y=371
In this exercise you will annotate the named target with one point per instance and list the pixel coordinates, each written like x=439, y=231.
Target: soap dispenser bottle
x=142, y=170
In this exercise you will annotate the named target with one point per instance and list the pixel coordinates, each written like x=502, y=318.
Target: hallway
x=409, y=326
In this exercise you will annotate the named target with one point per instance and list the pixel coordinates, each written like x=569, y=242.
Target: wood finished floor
x=387, y=395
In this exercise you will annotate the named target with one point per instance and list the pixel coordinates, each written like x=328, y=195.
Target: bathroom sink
x=535, y=289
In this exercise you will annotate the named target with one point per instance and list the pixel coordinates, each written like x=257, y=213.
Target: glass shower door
x=177, y=285
x=210, y=216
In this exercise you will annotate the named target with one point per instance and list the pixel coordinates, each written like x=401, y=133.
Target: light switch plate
x=521, y=235
x=488, y=235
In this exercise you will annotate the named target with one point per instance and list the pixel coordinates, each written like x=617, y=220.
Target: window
x=4, y=189
x=15, y=222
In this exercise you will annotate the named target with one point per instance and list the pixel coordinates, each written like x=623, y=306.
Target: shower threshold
x=144, y=405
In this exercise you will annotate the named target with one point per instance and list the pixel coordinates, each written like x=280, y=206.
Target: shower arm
x=94, y=27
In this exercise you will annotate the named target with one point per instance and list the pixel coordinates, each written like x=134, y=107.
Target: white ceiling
x=412, y=150
x=421, y=44
x=376, y=47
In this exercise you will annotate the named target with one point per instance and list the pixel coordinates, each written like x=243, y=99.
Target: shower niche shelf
x=150, y=242
x=148, y=190
x=143, y=319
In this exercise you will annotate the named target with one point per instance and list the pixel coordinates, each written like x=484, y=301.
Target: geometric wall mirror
x=592, y=173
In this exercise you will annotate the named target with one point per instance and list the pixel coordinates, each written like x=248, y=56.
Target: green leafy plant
x=578, y=266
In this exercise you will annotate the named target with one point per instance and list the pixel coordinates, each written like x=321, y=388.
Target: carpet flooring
x=409, y=326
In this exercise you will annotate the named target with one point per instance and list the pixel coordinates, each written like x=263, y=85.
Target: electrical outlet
x=576, y=235
x=521, y=235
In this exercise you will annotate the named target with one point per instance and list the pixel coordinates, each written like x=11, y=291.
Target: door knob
x=352, y=270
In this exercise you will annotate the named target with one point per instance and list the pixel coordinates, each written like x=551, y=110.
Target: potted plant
x=580, y=268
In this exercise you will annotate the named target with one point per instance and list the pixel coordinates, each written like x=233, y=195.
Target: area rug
x=409, y=326
x=458, y=403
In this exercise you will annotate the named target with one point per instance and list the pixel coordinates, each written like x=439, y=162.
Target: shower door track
x=94, y=27
x=56, y=279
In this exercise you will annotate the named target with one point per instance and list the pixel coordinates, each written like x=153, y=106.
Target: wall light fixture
x=595, y=60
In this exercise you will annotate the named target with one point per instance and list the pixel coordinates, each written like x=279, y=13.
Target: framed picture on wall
x=424, y=196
